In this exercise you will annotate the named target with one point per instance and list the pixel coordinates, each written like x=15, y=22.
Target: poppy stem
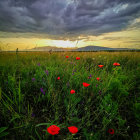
x=72, y=137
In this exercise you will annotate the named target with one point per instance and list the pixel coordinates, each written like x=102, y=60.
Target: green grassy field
x=32, y=98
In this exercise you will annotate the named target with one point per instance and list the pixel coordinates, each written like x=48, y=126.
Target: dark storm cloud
x=67, y=17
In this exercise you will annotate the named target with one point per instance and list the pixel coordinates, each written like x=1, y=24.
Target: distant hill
x=93, y=48
x=87, y=48
x=98, y=48
x=48, y=48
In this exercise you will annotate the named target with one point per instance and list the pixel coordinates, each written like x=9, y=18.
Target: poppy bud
x=100, y=66
x=98, y=78
x=77, y=58
x=86, y=84
x=73, y=129
x=111, y=131
x=116, y=64
x=53, y=129
x=72, y=91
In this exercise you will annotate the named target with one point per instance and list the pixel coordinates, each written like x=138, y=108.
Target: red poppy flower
x=73, y=129
x=72, y=91
x=116, y=64
x=53, y=129
x=111, y=131
x=100, y=66
x=58, y=78
x=77, y=58
x=86, y=84
x=98, y=78
x=67, y=56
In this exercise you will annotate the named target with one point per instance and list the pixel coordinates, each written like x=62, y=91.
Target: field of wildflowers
x=70, y=95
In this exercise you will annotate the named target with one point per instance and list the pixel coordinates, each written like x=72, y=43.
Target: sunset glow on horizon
x=70, y=24
x=123, y=39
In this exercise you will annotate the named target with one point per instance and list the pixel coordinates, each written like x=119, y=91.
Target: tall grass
x=111, y=103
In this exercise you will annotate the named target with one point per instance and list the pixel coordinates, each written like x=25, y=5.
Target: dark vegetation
x=110, y=103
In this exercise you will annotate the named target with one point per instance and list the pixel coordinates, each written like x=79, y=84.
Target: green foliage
x=109, y=109
x=136, y=110
x=136, y=136
x=112, y=102
x=121, y=122
x=2, y=132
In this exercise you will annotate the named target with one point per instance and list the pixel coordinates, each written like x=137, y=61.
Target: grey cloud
x=116, y=38
x=67, y=17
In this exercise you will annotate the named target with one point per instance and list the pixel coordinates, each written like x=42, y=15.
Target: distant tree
x=16, y=50
x=50, y=51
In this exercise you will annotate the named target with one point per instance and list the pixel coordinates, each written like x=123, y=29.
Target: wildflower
x=33, y=79
x=90, y=76
x=100, y=91
x=68, y=84
x=100, y=66
x=77, y=58
x=98, y=78
x=111, y=131
x=41, y=89
x=67, y=56
x=86, y=84
x=73, y=129
x=72, y=73
x=72, y=91
x=33, y=115
x=47, y=72
x=116, y=64
x=38, y=64
x=74, y=70
x=53, y=130
x=96, y=85
x=58, y=78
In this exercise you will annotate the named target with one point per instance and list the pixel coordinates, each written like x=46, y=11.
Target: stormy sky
x=100, y=21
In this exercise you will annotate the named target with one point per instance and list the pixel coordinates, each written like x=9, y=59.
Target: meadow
x=39, y=89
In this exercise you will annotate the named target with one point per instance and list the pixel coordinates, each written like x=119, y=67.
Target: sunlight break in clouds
x=61, y=23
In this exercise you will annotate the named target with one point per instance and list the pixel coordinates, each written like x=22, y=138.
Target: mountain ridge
x=86, y=48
